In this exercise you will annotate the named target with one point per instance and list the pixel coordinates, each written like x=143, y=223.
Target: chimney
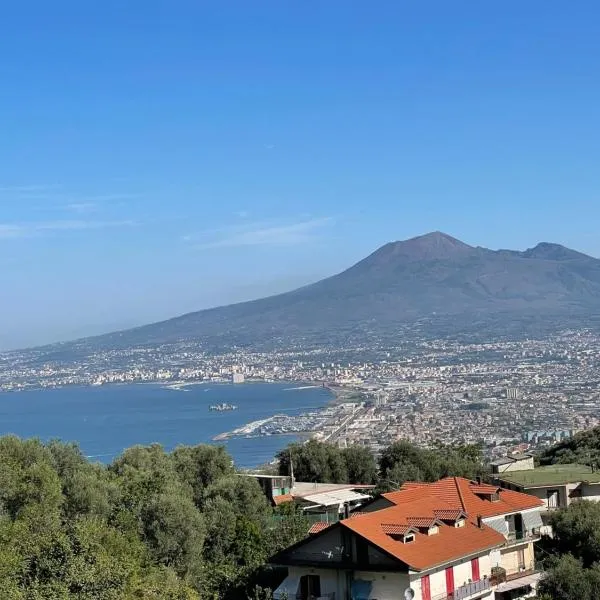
x=479, y=522
x=478, y=479
x=346, y=510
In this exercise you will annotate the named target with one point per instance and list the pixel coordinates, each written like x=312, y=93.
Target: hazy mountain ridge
x=434, y=276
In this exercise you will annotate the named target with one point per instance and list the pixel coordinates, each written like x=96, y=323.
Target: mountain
x=434, y=283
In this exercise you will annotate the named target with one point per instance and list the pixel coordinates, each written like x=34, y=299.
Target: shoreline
x=178, y=384
x=338, y=395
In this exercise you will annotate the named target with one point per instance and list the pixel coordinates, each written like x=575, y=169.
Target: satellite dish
x=409, y=594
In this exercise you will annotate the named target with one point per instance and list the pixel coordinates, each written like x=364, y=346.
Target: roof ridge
x=460, y=496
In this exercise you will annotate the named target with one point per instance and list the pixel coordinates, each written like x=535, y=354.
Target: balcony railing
x=466, y=591
x=515, y=538
x=502, y=576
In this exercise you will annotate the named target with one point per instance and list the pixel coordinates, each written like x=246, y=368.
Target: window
x=310, y=587
x=552, y=498
x=460, y=523
x=408, y=538
x=433, y=530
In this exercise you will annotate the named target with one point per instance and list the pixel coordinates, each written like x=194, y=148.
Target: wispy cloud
x=9, y=231
x=29, y=188
x=81, y=207
x=260, y=234
x=23, y=230
x=77, y=225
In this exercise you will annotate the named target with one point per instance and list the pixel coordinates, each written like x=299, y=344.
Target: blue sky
x=162, y=157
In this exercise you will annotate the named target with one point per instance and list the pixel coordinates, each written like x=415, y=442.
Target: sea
x=105, y=420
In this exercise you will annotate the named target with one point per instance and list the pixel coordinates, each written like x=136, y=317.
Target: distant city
x=504, y=395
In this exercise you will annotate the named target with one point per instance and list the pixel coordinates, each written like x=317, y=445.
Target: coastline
x=338, y=395
x=165, y=383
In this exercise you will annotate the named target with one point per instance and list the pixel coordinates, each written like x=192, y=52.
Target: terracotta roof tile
x=449, y=515
x=317, y=527
x=426, y=551
x=459, y=494
x=395, y=529
x=422, y=504
x=422, y=522
x=282, y=499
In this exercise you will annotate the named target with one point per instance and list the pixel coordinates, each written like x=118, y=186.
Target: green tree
x=174, y=532
x=403, y=461
x=567, y=579
x=201, y=466
x=577, y=530
x=88, y=489
x=290, y=526
x=360, y=464
x=314, y=461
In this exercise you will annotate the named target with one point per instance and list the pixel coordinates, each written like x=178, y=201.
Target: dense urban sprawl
x=501, y=394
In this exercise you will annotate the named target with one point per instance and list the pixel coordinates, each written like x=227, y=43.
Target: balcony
x=517, y=537
x=467, y=591
x=525, y=581
x=500, y=575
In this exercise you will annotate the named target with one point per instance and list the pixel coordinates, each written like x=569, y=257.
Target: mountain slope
x=583, y=448
x=433, y=277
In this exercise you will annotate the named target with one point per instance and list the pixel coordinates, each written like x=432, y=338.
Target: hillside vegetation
x=152, y=525
x=582, y=448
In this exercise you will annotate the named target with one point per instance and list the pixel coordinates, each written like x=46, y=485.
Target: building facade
x=454, y=539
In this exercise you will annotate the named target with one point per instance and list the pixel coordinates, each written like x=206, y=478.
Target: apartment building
x=454, y=539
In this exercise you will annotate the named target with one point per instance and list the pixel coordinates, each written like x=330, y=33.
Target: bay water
x=105, y=420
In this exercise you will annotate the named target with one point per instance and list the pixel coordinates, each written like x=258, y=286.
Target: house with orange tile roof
x=454, y=539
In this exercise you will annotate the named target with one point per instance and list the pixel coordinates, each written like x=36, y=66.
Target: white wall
x=332, y=581
x=462, y=574
x=510, y=558
x=386, y=586
x=495, y=559
x=390, y=585
x=542, y=494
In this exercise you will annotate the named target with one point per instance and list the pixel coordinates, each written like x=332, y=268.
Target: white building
x=451, y=540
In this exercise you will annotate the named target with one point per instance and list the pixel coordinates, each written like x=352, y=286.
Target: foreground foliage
x=151, y=526
x=572, y=557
